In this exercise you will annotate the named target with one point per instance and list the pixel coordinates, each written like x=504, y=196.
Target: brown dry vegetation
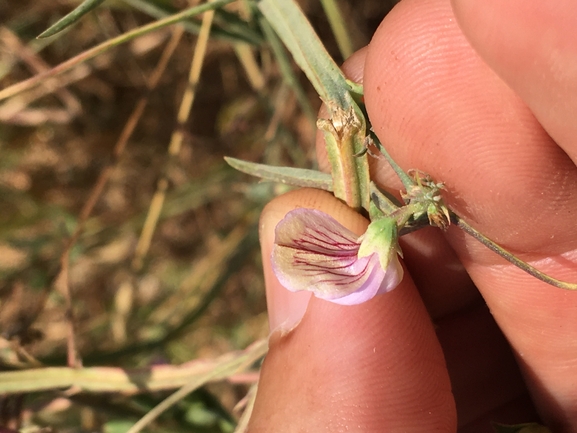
x=198, y=291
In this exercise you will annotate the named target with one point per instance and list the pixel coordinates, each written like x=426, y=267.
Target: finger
x=437, y=107
x=531, y=45
x=485, y=380
x=371, y=367
x=487, y=384
x=437, y=272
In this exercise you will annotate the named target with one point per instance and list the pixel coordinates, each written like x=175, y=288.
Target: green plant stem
x=344, y=133
x=407, y=181
x=403, y=214
x=510, y=257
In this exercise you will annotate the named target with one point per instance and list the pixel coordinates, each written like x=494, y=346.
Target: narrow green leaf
x=338, y=26
x=227, y=26
x=85, y=7
x=286, y=69
x=307, y=178
x=295, y=31
x=287, y=175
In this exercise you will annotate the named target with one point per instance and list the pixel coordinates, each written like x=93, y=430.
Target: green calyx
x=381, y=238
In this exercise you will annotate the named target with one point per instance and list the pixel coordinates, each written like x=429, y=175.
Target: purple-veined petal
x=379, y=282
x=312, y=251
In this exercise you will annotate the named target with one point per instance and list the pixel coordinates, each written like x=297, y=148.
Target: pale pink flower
x=314, y=252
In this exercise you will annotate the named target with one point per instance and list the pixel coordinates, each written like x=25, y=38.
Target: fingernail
x=285, y=309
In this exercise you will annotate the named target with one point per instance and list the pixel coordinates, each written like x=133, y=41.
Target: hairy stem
x=512, y=258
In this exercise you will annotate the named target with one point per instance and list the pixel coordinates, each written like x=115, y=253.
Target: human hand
x=501, y=133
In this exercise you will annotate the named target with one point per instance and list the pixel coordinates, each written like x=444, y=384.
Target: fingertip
x=368, y=367
x=372, y=367
x=286, y=309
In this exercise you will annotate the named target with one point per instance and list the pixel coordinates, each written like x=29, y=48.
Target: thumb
x=371, y=367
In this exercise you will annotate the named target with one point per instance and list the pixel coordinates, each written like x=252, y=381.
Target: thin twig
x=99, y=188
x=37, y=65
x=249, y=400
x=61, y=277
x=175, y=142
x=73, y=359
x=249, y=64
x=105, y=46
x=216, y=371
x=511, y=258
x=127, y=132
x=132, y=381
x=339, y=27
